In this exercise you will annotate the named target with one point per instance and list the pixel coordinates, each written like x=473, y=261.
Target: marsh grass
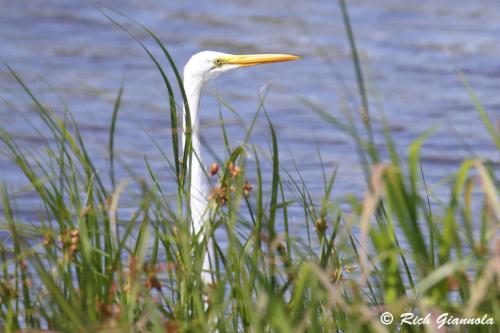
x=84, y=267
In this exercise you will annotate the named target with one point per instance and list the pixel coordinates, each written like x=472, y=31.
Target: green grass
x=85, y=268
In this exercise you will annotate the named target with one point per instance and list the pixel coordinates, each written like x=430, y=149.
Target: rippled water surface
x=70, y=53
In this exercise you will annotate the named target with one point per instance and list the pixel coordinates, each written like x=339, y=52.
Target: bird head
x=207, y=65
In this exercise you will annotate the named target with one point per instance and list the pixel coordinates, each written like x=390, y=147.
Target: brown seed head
x=321, y=225
x=214, y=168
x=234, y=170
x=219, y=195
x=153, y=282
x=247, y=188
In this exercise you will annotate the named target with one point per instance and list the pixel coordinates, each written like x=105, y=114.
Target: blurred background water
x=412, y=52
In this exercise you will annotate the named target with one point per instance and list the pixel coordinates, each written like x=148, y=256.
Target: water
x=412, y=52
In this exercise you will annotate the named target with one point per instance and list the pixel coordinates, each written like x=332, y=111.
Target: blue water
x=412, y=52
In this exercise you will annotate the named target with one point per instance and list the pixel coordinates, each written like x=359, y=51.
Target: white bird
x=201, y=68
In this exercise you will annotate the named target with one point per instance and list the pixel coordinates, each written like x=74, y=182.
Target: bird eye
x=218, y=62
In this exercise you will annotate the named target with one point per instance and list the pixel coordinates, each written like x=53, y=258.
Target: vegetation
x=84, y=267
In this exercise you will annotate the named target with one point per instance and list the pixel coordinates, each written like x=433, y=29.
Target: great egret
x=201, y=68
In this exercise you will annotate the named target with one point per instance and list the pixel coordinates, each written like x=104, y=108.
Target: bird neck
x=192, y=88
x=199, y=188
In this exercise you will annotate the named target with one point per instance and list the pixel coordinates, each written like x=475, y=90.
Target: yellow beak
x=257, y=59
